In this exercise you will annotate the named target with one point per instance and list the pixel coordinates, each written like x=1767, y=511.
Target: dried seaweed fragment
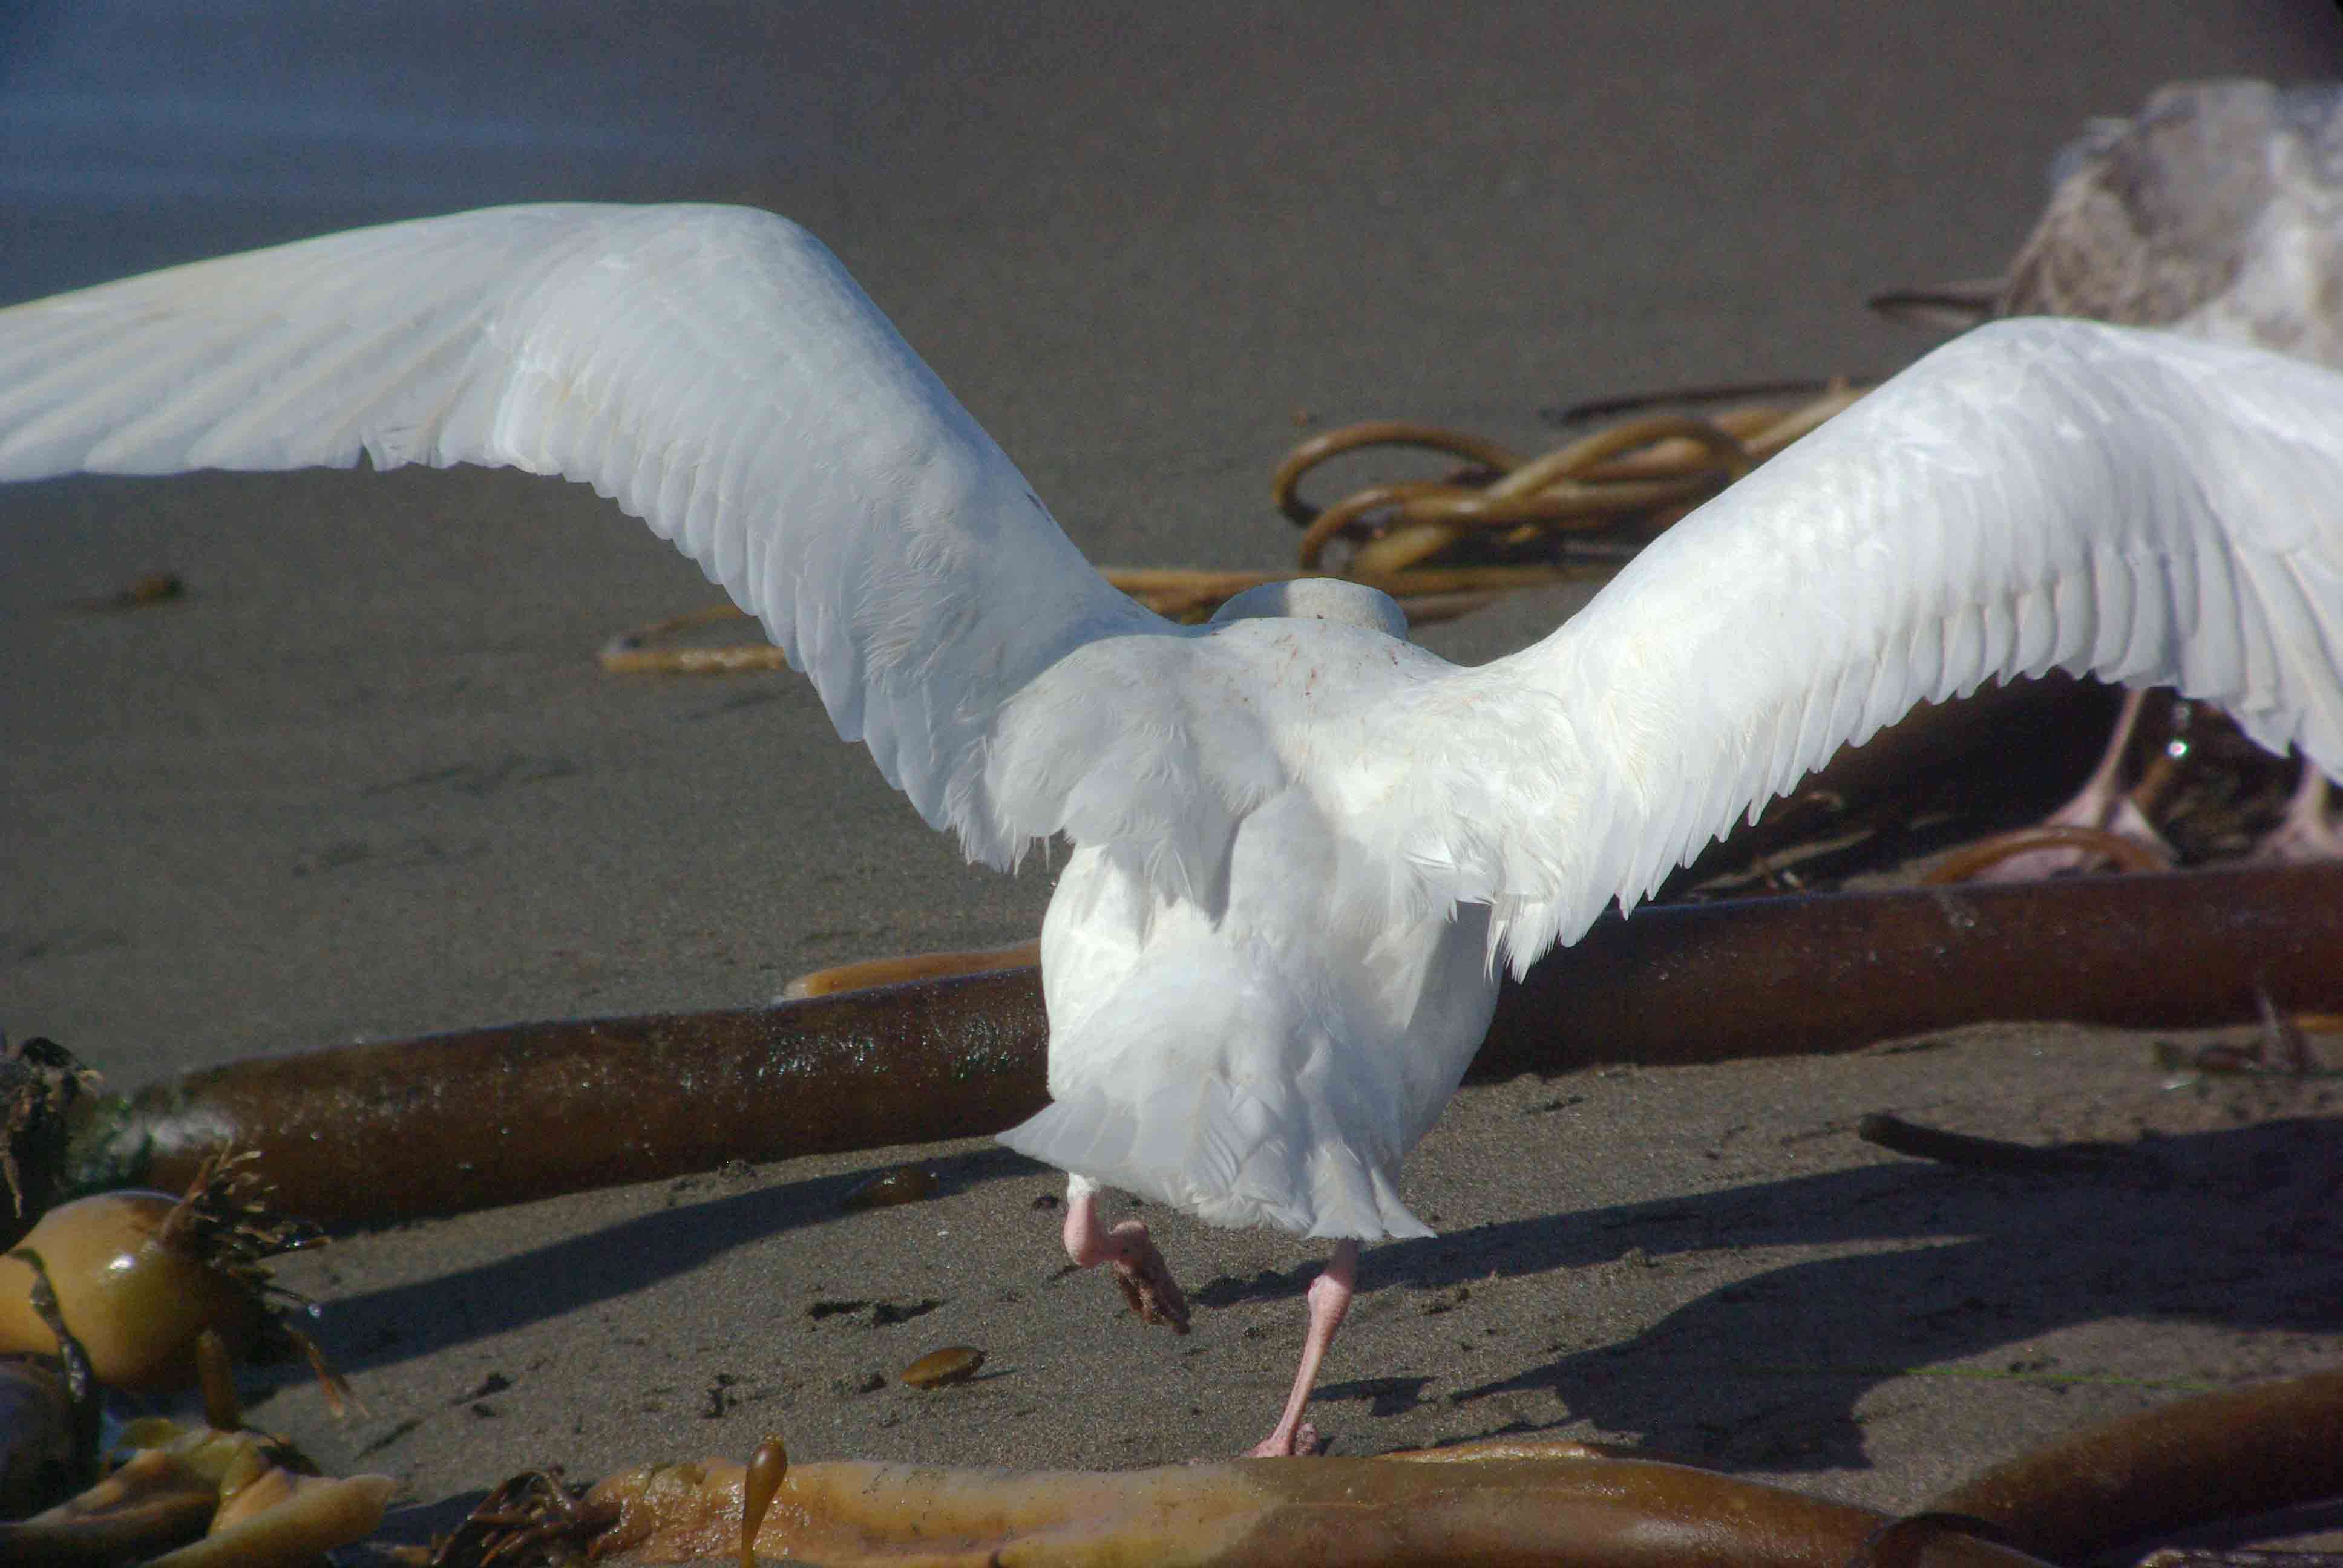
x=40, y=1083
x=192, y=1497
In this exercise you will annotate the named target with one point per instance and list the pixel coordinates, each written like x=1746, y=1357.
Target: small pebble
x=953, y=1363
x=152, y=589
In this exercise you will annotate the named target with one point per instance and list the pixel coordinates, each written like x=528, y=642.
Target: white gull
x=1302, y=847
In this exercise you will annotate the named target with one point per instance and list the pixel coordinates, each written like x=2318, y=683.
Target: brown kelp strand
x=1790, y=975
x=1512, y=1503
x=378, y=1133
x=450, y=1122
x=1499, y=1501
x=904, y=968
x=208, y=1499
x=43, y=1453
x=2106, y=847
x=2226, y=1455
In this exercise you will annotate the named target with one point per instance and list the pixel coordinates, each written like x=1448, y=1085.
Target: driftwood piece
x=365, y=1135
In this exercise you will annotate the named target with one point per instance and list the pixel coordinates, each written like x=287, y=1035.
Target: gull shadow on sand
x=1769, y=1370
x=1767, y=1366
x=380, y=1328
x=1756, y=1364
x=1381, y=1395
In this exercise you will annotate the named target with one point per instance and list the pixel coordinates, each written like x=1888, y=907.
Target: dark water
x=133, y=134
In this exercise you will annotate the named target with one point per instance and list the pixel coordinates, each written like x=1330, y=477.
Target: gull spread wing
x=712, y=369
x=2037, y=494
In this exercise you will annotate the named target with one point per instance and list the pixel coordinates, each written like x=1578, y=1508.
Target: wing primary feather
x=713, y=369
x=2135, y=504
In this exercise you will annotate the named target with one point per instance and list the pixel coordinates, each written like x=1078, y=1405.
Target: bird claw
x=1146, y=1280
x=1306, y=1443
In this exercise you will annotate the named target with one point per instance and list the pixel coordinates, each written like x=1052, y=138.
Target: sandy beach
x=365, y=779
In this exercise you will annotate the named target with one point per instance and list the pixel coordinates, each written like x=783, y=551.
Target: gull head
x=1319, y=598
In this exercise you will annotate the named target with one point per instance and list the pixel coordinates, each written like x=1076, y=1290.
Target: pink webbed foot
x=1145, y=1278
x=1140, y=1270
x=1303, y=1442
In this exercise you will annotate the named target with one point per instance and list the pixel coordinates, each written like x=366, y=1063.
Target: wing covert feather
x=714, y=370
x=2040, y=493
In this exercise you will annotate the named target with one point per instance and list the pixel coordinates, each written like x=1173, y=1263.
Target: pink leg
x=2308, y=832
x=1330, y=1298
x=2095, y=804
x=1146, y=1280
x=2104, y=801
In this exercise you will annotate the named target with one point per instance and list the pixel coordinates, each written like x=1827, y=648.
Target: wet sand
x=365, y=780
